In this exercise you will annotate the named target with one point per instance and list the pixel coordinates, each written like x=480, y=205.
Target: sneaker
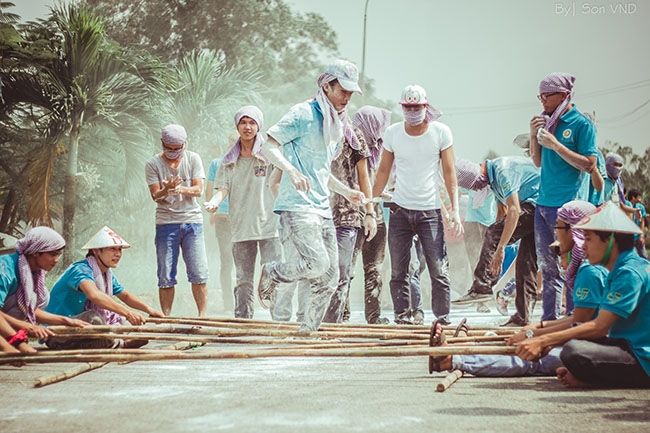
x=472, y=298
x=482, y=307
x=502, y=304
x=444, y=320
x=381, y=321
x=403, y=322
x=418, y=318
x=266, y=287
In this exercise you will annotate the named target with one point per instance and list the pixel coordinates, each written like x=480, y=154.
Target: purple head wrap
x=372, y=122
x=470, y=176
x=557, y=82
x=256, y=114
x=571, y=213
x=611, y=162
x=31, y=290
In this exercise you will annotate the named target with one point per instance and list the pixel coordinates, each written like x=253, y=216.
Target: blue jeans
x=188, y=238
x=545, y=220
x=427, y=225
x=507, y=366
x=605, y=362
x=314, y=239
x=346, y=238
x=245, y=254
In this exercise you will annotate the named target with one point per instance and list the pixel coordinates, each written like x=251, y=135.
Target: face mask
x=415, y=118
x=173, y=154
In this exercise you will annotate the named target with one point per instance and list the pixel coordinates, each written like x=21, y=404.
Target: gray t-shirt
x=250, y=201
x=176, y=209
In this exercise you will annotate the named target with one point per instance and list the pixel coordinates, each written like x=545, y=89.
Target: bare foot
x=443, y=362
x=568, y=379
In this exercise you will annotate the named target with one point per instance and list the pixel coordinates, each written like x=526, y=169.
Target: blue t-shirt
x=300, y=134
x=212, y=175
x=560, y=181
x=588, y=192
x=589, y=286
x=485, y=214
x=510, y=174
x=628, y=296
x=8, y=276
x=66, y=299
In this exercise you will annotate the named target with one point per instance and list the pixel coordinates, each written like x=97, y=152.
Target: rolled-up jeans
x=427, y=224
x=314, y=239
x=507, y=366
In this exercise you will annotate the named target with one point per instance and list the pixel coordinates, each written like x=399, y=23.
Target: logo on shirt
x=582, y=293
x=613, y=298
x=260, y=171
x=567, y=133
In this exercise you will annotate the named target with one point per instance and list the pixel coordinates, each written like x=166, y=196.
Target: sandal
x=462, y=327
x=434, y=361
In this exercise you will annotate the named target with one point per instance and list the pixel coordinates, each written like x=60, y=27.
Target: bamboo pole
x=143, y=355
x=66, y=331
x=449, y=380
x=256, y=341
x=42, y=381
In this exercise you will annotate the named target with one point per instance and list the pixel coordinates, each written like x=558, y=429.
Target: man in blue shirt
x=514, y=180
x=614, y=348
x=639, y=218
x=303, y=144
x=563, y=144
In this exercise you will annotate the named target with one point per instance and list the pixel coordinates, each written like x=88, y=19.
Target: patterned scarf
x=557, y=82
x=470, y=177
x=104, y=282
x=571, y=213
x=372, y=122
x=31, y=287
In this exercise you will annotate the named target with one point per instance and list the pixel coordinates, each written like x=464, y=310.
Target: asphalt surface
x=306, y=395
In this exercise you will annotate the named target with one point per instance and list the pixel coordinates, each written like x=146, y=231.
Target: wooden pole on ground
x=449, y=380
x=42, y=381
x=143, y=355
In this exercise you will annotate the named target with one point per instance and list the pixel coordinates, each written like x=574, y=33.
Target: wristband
x=18, y=338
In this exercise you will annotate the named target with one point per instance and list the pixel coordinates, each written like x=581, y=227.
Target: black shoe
x=515, y=321
x=444, y=320
x=472, y=298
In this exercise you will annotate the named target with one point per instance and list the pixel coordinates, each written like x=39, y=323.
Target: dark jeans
x=606, y=362
x=417, y=266
x=245, y=255
x=63, y=343
x=346, y=238
x=427, y=225
x=372, y=252
x=525, y=264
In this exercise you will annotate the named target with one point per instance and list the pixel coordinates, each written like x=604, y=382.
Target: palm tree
x=205, y=95
x=93, y=82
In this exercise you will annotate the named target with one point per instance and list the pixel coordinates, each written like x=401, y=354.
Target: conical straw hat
x=105, y=238
x=608, y=218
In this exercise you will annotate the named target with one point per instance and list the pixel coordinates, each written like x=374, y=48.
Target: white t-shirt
x=417, y=164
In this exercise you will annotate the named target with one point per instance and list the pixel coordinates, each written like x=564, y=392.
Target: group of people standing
x=308, y=194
